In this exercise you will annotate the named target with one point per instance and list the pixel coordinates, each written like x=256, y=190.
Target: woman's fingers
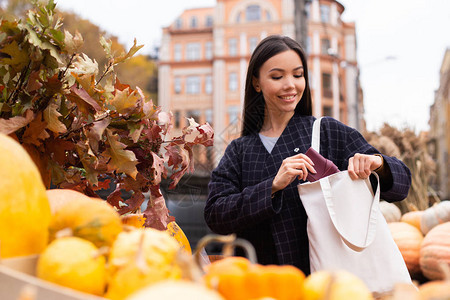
x=360, y=166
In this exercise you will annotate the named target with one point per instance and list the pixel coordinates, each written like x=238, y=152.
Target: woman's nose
x=288, y=84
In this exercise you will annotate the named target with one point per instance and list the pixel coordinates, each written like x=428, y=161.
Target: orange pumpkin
x=408, y=239
x=438, y=289
x=413, y=218
x=237, y=279
x=435, y=250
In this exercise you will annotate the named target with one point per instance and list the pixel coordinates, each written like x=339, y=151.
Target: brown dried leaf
x=35, y=132
x=13, y=124
x=157, y=214
x=121, y=160
x=51, y=116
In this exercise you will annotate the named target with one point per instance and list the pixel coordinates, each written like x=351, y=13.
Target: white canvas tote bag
x=347, y=231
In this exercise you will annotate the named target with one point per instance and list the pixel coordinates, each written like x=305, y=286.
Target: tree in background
x=141, y=70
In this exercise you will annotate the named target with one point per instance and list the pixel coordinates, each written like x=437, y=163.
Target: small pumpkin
x=413, y=218
x=408, y=239
x=138, y=221
x=176, y=289
x=437, y=214
x=236, y=278
x=435, y=250
x=438, y=289
x=335, y=285
x=390, y=211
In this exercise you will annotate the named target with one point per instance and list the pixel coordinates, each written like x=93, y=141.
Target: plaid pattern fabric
x=240, y=200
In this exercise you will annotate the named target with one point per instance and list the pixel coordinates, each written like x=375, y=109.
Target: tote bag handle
x=328, y=196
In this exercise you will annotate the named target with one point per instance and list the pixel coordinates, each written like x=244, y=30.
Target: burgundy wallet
x=324, y=167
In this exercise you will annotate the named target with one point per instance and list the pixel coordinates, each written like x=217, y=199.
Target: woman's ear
x=255, y=84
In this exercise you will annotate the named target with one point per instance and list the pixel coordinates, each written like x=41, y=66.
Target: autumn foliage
x=82, y=128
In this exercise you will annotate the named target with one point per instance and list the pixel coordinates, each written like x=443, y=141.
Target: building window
x=178, y=23
x=208, y=50
x=233, y=114
x=232, y=81
x=193, y=114
x=177, y=52
x=327, y=111
x=177, y=117
x=208, y=84
x=194, y=22
x=268, y=16
x=308, y=45
x=324, y=13
x=177, y=85
x=209, y=116
x=193, y=85
x=238, y=17
x=253, y=42
x=193, y=51
x=232, y=47
x=308, y=10
x=326, y=85
x=253, y=13
x=209, y=21
x=325, y=45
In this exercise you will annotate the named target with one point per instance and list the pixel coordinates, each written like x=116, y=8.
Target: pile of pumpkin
x=423, y=238
x=84, y=244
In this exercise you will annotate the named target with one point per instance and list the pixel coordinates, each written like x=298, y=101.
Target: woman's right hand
x=294, y=166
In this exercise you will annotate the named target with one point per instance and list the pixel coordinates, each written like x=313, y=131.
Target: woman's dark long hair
x=254, y=104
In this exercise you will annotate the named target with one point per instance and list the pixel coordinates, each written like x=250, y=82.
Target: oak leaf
x=12, y=124
x=51, y=116
x=121, y=160
x=15, y=56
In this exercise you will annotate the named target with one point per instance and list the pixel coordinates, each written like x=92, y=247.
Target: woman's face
x=281, y=81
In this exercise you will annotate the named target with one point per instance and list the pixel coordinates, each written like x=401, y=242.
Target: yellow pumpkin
x=75, y=263
x=60, y=197
x=408, y=239
x=142, y=255
x=92, y=219
x=170, y=289
x=335, y=285
x=138, y=221
x=24, y=208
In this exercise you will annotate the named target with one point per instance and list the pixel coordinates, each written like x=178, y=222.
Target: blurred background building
x=205, y=51
x=203, y=62
x=439, y=133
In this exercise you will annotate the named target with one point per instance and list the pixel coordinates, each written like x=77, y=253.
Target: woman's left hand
x=361, y=165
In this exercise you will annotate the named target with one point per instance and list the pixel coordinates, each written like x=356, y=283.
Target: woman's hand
x=361, y=165
x=297, y=165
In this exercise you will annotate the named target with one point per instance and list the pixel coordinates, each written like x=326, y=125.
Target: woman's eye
x=298, y=76
x=276, y=77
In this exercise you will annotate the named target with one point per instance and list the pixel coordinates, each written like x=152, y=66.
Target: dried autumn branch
x=84, y=129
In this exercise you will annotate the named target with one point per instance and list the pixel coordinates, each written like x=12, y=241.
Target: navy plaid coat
x=240, y=199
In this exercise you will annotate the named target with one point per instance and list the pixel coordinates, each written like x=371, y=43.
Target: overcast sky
x=398, y=91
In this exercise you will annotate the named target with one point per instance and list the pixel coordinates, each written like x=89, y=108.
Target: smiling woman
x=253, y=191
